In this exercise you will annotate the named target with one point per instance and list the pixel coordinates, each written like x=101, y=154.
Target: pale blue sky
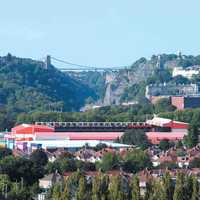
x=99, y=32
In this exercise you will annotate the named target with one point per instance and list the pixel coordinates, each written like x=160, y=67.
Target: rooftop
x=163, y=122
x=75, y=143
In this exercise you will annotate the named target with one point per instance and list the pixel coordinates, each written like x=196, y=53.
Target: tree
x=168, y=185
x=148, y=189
x=96, y=188
x=108, y=162
x=135, y=161
x=157, y=191
x=180, y=80
x=195, y=188
x=135, y=137
x=163, y=105
x=5, y=184
x=135, y=193
x=20, y=194
x=188, y=186
x=195, y=163
x=61, y=165
x=9, y=57
x=82, y=190
x=67, y=165
x=165, y=144
x=39, y=157
x=5, y=152
x=179, y=144
x=56, y=193
x=100, y=146
x=100, y=187
x=191, y=139
x=179, y=189
x=73, y=184
x=115, y=189
x=66, y=192
x=20, y=168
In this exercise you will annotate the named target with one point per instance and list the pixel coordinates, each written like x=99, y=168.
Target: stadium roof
x=163, y=122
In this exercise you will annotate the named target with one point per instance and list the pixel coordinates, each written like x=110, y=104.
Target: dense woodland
x=139, y=112
x=26, y=86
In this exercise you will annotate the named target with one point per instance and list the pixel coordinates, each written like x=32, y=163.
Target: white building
x=73, y=145
x=188, y=73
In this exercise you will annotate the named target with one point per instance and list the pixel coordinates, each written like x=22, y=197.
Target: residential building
x=49, y=180
x=182, y=102
x=188, y=72
x=154, y=92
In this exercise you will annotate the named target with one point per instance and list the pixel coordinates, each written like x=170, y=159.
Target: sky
x=99, y=33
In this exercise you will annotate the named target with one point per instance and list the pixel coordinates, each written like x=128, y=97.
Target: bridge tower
x=47, y=62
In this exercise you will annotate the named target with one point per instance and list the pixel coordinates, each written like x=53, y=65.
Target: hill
x=25, y=85
x=129, y=84
x=94, y=79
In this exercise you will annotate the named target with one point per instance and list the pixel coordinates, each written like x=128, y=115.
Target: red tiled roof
x=31, y=128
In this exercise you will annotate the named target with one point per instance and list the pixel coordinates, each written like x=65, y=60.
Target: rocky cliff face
x=126, y=78
x=140, y=71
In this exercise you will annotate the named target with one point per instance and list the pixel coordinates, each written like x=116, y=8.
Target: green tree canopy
x=179, y=188
x=135, y=137
x=39, y=157
x=135, y=161
x=165, y=144
x=163, y=105
x=108, y=162
x=5, y=152
x=191, y=139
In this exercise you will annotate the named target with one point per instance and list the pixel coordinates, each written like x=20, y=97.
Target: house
x=86, y=155
x=49, y=180
x=195, y=150
x=144, y=177
x=183, y=161
x=169, y=156
x=182, y=102
x=19, y=153
x=51, y=156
